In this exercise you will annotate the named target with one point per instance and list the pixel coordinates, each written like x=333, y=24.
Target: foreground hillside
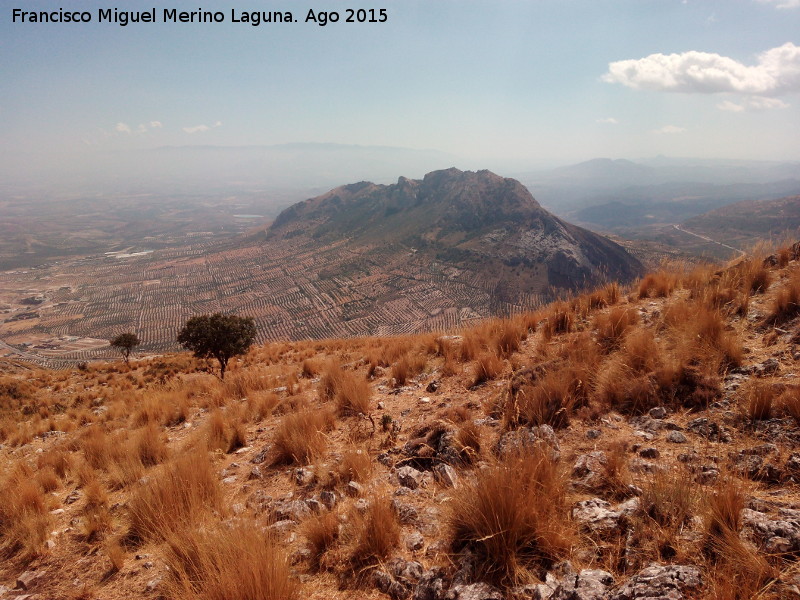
x=627, y=443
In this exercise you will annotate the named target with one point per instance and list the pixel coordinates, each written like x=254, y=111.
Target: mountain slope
x=467, y=217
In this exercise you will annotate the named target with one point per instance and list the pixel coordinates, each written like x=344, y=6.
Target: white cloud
x=756, y=103
x=608, y=121
x=669, y=129
x=196, y=129
x=201, y=128
x=122, y=128
x=730, y=106
x=777, y=72
x=155, y=124
x=759, y=103
x=782, y=3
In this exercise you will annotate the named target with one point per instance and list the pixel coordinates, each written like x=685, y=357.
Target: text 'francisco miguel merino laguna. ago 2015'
x=173, y=15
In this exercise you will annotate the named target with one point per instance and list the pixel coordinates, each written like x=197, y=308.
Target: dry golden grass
x=353, y=394
x=376, y=534
x=321, y=533
x=487, y=366
x=513, y=517
x=175, y=499
x=756, y=400
x=409, y=365
x=786, y=302
x=225, y=431
x=738, y=569
x=614, y=324
x=658, y=285
x=238, y=562
x=301, y=437
x=25, y=521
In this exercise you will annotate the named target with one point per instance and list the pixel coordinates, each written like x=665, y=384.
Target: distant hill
x=744, y=223
x=476, y=220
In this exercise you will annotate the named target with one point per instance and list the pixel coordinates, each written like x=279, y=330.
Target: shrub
x=513, y=518
x=218, y=336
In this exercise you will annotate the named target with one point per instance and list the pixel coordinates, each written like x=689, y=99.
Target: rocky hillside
x=628, y=443
x=466, y=219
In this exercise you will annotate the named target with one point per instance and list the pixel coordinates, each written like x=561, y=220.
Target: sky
x=537, y=80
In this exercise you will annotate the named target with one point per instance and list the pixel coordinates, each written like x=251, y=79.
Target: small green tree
x=218, y=336
x=125, y=343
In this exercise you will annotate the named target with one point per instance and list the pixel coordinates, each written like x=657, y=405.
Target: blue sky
x=529, y=81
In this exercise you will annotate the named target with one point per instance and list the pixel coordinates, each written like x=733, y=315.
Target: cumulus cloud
x=777, y=71
x=155, y=124
x=782, y=3
x=608, y=121
x=122, y=128
x=755, y=103
x=669, y=129
x=201, y=128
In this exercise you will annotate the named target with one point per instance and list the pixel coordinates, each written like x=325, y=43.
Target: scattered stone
x=708, y=429
x=768, y=367
x=529, y=437
x=27, y=580
x=328, y=498
x=432, y=386
x=430, y=585
x=649, y=453
x=315, y=505
x=255, y=473
x=282, y=527
x=354, y=488
x=658, y=412
x=152, y=585
x=415, y=541
x=598, y=516
x=229, y=480
x=445, y=475
x=292, y=510
x=303, y=476
x=780, y=535
x=660, y=582
x=260, y=456
x=72, y=497
x=708, y=475
x=406, y=514
x=409, y=477
x=589, y=584
x=676, y=437
x=593, y=434
x=474, y=591
x=588, y=472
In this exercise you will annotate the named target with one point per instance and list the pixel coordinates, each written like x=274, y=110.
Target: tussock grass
x=300, y=437
x=321, y=533
x=376, y=534
x=240, y=562
x=487, y=366
x=175, y=499
x=513, y=517
x=25, y=521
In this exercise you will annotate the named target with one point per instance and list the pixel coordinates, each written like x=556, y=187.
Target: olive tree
x=125, y=343
x=218, y=336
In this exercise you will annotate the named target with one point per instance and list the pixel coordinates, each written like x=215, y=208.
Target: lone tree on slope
x=125, y=343
x=218, y=336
